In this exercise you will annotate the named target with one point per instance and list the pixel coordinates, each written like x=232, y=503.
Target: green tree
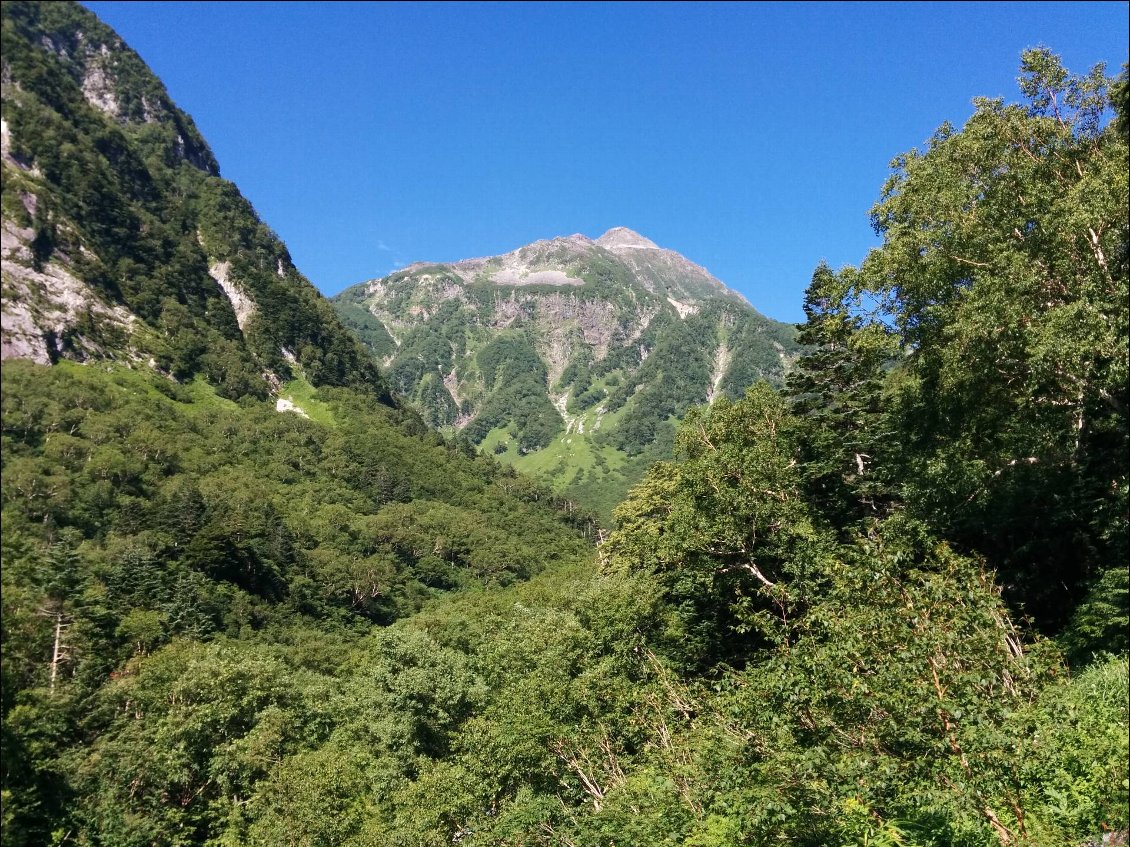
x=837, y=397
x=1004, y=268
x=725, y=529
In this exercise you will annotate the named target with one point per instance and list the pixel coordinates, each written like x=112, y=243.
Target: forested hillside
x=884, y=603
x=122, y=242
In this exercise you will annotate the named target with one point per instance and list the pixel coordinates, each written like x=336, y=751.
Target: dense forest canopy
x=884, y=604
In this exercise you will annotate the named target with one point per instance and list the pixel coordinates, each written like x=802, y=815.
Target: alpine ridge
x=570, y=357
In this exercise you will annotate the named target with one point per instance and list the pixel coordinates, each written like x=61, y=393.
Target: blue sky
x=753, y=138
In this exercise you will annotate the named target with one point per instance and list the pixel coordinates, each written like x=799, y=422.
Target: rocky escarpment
x=46, y=307
x=570, y=346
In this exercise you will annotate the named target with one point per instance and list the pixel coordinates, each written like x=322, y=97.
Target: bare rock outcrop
x=241, y=302
x=44, y=304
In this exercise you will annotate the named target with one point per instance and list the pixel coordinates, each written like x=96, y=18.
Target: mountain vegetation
x=121, y=240
x=571, y=359
x=881, y=602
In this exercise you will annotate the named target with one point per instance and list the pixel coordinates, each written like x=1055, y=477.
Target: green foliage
x=141, y=476
x=1075, y=778
x=508, y=358
x=1004, y=267
x=517, y=379
x=227, y=625
x=723, y=527
x=366, y=327
x=837, y=397
x=181, y=517
x=1098, y=623
x=1120, y=99
x=871, y=687
x=682, y=355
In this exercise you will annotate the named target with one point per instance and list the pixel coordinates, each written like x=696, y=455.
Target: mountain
x=125, y=249
x=120, y=239
x=569, y=357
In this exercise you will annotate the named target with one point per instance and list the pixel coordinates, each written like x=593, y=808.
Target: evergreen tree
x=836, y=392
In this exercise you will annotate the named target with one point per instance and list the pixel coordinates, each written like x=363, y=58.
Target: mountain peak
x=622, y=237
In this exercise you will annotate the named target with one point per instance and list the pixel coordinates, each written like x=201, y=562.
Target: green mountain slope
x=120, y=239
x=570, y=358
x=195, y=453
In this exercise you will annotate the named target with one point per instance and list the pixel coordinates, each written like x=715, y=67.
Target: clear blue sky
x=753, y=138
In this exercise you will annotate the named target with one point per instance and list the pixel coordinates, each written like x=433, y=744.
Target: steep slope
x=124, y=247
x=569, y=357
x=120, y=239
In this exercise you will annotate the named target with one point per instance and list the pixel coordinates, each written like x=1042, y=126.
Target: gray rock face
x=620, y=238
x=43, y=304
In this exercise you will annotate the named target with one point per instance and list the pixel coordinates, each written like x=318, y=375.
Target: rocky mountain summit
x=571, y=356
x=661, y=270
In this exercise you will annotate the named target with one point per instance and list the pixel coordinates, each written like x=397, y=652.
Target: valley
x=568, y=546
